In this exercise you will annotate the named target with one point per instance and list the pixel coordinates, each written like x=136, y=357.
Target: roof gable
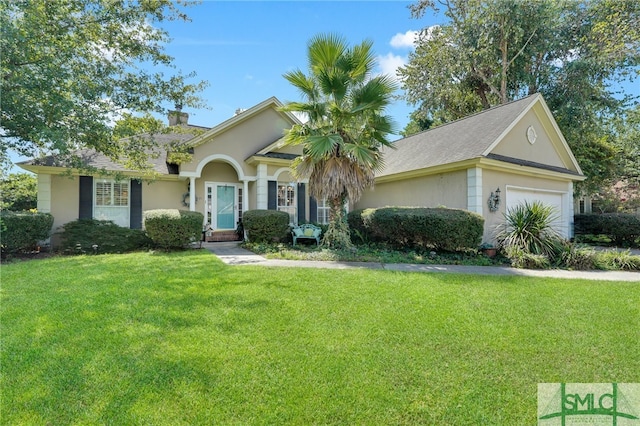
x=240, y=118
x=475, y=137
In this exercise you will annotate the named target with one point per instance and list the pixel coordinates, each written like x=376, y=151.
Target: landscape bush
x=101, y=236
x=266, y=225
x=418, y=227
x=529, y=227
x=173, y=228
x=623, y=229
x=21, y=231
x=617, y=260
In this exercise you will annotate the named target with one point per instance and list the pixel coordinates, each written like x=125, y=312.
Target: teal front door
x=221, y=206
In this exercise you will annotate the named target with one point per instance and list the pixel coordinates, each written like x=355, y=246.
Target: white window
x=287, y=200
x=111, y=201
x=323, y=212
x=324, y=209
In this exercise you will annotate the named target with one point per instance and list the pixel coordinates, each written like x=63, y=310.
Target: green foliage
x=18, y=191
x=379, y=253
x=69, y=67
x=623, y=229
x=22, y=231
x=492, y=52
x=266, y=225
x=344, y=102
x=617, y=260
x=574, y=256
x=525, y=260
x=439, y=228
x=101, y=236
x=528, y=230
x=173, y=228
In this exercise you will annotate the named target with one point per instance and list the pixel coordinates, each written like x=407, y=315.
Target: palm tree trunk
x=337, y=235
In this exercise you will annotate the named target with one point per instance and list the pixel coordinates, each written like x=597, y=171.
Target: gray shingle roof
x=459, y=140
x=91, y=158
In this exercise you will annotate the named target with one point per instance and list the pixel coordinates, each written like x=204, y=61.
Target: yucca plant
x=528, y=228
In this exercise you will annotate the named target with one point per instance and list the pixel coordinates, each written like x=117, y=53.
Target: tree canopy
x=70, y=68
x=18, y=191
x=346, y=127
x=491, y=52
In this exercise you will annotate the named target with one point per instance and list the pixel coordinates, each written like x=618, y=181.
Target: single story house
x=484, y=163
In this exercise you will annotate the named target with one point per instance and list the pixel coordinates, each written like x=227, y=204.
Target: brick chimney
x=177, y=117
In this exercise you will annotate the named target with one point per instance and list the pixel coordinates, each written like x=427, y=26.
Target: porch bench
x=306, y=231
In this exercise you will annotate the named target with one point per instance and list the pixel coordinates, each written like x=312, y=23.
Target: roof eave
x=261, y=159
x=442, y=168
x=54, y=170
x=491, y=164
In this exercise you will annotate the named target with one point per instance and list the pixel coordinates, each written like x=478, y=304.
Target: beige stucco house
x=241, y=164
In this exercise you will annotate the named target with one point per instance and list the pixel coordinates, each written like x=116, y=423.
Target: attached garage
x=486, y=163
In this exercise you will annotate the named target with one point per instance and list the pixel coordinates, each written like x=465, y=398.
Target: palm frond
x=324, y=50
x=363, y=60
x=303, y=83
x=322, y=146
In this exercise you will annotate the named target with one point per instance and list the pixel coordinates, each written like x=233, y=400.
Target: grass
x=181, y=338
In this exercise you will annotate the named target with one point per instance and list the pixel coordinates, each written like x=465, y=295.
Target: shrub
x=527, y=227
x=523, y=259
x=613, y=259
x=101, y=236
x=266, y=225
x=622, y=228
x=409, y=227
x=173, y=228
x=577, y=257
x=22, y=231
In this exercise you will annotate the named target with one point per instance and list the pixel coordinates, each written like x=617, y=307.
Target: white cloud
x=407, y=39
x=390, y=63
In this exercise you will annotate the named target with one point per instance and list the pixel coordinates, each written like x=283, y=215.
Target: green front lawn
x=183, y=339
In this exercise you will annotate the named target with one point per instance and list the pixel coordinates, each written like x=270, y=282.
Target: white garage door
x=517, y=196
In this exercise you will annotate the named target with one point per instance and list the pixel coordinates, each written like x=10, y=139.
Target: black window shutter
x=135, y=207
x=313, y=210
x=85, y=198
x=301, y=203
x=272, y=195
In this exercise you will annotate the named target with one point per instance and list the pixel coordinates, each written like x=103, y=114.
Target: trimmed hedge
x=266, y=225
x=414, y=227
x=101, y=236
x=622, y=228
x=173, y=228
x=22, y=230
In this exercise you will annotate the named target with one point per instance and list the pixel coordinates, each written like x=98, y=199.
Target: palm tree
x=345, y=128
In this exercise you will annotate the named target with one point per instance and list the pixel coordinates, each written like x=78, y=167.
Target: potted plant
x=488, y=249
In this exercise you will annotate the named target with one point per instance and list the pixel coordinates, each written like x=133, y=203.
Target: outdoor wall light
x=494, y=200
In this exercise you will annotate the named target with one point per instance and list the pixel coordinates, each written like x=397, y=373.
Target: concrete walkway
x=232, y=254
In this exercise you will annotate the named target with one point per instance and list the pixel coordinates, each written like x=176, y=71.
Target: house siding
x=444, y=189
x=516, y=145
x=243, y=140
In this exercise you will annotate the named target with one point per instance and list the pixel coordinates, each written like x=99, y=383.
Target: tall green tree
x=491, y=52
x=18, y=191
x=346, y=127
x=70, y=68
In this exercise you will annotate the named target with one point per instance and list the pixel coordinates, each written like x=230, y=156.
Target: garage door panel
x=517, y=196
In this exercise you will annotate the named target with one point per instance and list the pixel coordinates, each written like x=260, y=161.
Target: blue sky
x=244, y=47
